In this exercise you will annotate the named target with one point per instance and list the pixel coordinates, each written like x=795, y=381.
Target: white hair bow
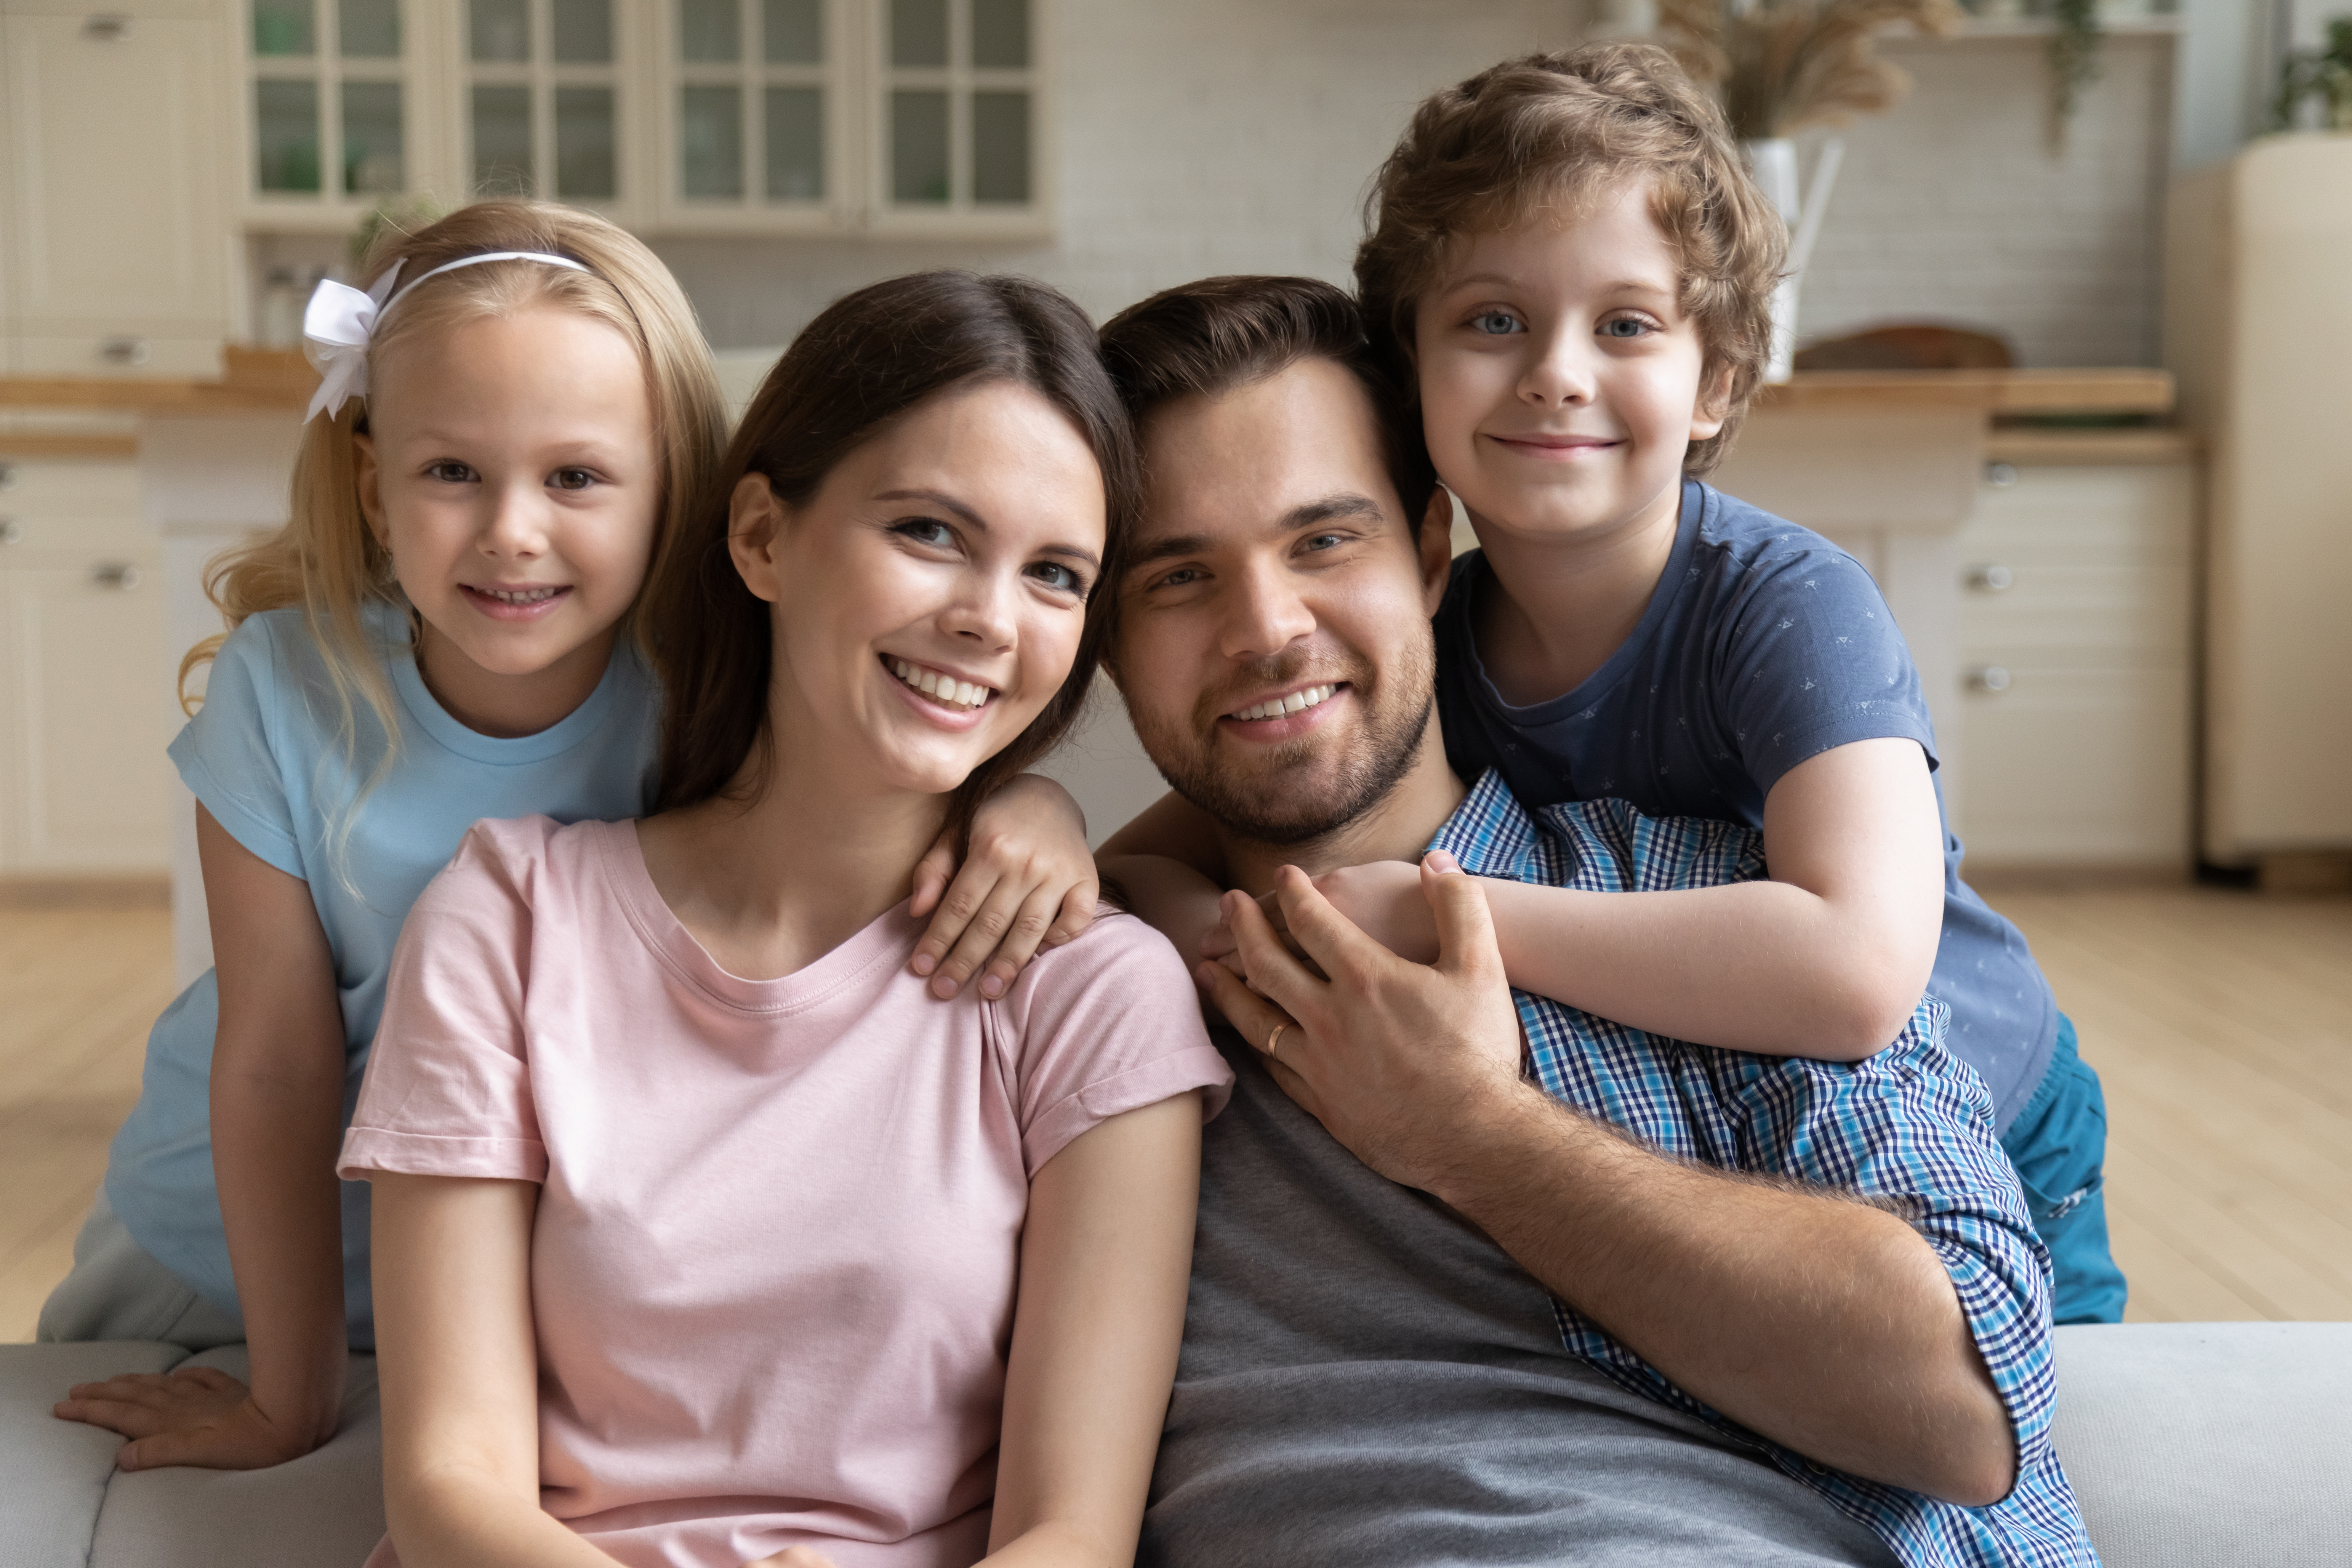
x=340, y=320
x=336, y=325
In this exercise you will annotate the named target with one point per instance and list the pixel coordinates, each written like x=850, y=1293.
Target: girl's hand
x=1029, y=881
x=202, y=1418
x=1382, y=898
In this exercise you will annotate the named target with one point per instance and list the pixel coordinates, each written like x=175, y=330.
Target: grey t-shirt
x=1367, y=1380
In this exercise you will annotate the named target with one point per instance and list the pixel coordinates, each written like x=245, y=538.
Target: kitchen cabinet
x=84, y=784
x=118, y=243
x=2075, y=661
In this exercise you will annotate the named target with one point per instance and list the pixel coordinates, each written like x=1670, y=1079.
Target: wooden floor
x=78, y=991
x=2220, y=1022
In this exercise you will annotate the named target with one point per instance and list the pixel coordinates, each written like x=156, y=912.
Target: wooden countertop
x=261, y=379
x=256, y=380
x=2123, y=390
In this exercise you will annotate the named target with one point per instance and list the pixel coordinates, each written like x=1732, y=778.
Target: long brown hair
x=868, y=360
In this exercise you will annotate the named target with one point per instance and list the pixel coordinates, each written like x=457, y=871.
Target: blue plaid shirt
x=1911, y=1125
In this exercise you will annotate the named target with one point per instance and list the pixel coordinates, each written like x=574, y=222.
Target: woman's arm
x=1106, y=1260
x=459, y=1363
x=277, y=1122
x=1825, y=960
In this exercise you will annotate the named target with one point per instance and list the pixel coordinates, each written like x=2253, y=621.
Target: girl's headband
x=340, y=320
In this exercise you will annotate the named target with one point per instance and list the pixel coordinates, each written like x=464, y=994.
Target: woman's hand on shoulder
x=1029, y=881
x=201, y=1417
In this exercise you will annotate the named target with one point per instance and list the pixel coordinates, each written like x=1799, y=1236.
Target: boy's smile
x=1560, y=379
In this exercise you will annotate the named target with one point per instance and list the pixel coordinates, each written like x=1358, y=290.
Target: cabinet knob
x=118, y=575
x=123, y=351
x=11, y=530
x=1987, y=678
x=106, y=26
x=2000, y=475
x=1990, y=578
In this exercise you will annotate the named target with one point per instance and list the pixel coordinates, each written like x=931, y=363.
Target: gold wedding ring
x=1274, y=1039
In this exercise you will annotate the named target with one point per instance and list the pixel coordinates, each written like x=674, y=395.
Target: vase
x=1772, y=162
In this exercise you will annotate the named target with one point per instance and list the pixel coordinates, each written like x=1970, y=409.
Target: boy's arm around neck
x=1827, y=958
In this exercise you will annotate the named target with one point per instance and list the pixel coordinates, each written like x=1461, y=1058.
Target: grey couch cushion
x=2205, y=1445
x=324, y=1509
x=62, y=1504
x=52, y=1473
x=2190, y=1446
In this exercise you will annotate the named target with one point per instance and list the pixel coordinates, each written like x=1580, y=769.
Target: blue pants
x=2059, y=1145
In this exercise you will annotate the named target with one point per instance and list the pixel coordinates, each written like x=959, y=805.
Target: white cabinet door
x=2075, y=634
x=117, y=227
x=86, y=787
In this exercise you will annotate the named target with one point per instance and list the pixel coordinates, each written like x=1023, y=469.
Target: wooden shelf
x=2094, y=449
x=2054, y=391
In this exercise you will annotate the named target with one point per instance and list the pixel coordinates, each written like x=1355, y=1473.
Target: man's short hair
x=1208, y=338
x=1539, y=136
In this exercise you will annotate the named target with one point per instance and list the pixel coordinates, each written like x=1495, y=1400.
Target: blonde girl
x=515, y=415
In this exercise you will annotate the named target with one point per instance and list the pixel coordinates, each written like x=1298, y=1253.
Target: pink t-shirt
x=772, y=1269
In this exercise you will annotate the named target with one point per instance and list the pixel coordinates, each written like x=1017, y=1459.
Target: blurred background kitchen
x=2070, y=329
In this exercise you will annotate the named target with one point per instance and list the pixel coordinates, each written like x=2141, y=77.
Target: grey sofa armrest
x=63, y=1505
x=2203, y=1445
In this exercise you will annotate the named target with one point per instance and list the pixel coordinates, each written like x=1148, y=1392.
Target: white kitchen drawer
x=77, y=487
x=120, y=354
x=2080, y=767
x=2100, y=615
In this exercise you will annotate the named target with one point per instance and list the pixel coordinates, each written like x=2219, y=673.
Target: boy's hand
x=1401, y=1062
x=202, y=1418
x=1028, y=882
x=1382, y=898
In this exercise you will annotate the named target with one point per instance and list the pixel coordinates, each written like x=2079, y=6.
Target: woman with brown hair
x=706, y=1234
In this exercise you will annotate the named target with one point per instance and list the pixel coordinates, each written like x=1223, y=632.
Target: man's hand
x=1400, y=1062
x=202, y=1418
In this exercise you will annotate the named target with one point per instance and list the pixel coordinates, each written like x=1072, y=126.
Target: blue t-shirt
x=265, y=757
x=1764, y=645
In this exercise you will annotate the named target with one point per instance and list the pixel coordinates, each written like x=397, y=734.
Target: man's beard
x=1298, y=792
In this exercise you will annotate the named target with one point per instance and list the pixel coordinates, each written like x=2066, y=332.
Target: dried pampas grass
x=1782, y=65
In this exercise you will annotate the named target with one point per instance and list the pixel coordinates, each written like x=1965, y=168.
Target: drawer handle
x=123, y=351
x=107, y=26
x=7, y=476
x=11, y=530
x=2000, y=475
x=1992, y=578
x=1990, y=678
x=118, y=575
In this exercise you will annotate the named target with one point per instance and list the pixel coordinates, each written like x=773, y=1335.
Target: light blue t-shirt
x=265, y=757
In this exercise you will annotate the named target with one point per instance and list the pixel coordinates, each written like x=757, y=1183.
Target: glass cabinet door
x=328, y=95
x=756, y=84
x=958, y=103
x=543, y=99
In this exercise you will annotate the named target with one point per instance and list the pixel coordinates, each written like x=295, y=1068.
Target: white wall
x=1954, y=206
x=1193, y=137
